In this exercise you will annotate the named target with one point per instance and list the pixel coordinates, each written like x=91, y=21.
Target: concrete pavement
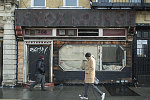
x=61, y=92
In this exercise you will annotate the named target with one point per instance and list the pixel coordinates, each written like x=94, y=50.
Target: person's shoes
x=84, y=98
x=103, y=96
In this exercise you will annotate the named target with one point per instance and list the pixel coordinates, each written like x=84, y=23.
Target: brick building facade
x=63, y=31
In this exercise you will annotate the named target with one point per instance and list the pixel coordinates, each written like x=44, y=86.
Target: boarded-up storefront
x=65, y=35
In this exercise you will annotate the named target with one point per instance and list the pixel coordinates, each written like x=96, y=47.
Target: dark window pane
x=32, y=32
x=71, y=32
x=62, y=32
x=145, y=34
x=139, y=34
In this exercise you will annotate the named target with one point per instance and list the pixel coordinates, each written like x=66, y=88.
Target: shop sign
x=74, y=18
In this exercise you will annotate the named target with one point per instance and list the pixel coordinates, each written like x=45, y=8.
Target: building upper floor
x=81, y=4
x=55, y=3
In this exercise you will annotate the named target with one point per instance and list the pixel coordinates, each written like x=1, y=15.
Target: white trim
x=54, y=32
x=32, y=4
x=100, y=32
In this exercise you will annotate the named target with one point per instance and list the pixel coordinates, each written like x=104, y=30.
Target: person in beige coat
x=90, y=76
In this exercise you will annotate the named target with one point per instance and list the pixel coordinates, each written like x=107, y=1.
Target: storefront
x=63, y=36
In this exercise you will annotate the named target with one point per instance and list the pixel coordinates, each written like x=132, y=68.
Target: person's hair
x=88, y=54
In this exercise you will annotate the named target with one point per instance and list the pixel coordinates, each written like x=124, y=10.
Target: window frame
x=64, y=4
x=108, y=1
x=32, y=4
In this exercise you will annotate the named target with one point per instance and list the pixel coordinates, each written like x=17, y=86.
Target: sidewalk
x=61, y=92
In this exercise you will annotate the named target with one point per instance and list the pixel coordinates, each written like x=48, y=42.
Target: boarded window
x=66, y=32
x=113, y=57
x=108, y=57
x=33, y=32
x=113, y=32
x=72, y=57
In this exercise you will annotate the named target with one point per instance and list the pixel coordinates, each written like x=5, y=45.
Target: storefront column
x=9, y=47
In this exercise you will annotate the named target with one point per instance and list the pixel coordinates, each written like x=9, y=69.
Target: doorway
x=34, y=53
x=141, y=56
x=33, y=50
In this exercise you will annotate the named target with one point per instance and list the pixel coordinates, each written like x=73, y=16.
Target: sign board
x=74, y=18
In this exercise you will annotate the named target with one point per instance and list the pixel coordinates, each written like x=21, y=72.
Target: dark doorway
x=34, y=52
x=1, y=61
x=141, y=56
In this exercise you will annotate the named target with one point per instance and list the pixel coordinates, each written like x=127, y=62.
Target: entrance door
x=141, y=56
x=34, y=52
x=1, y=60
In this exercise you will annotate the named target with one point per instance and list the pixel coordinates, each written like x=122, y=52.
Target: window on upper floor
x=131, y=1
x=70, y=3
x=38, y=3
x=135, y=1
x=103, y=1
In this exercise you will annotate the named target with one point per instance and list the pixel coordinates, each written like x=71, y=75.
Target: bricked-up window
x=38, y=3
x=88, y=32
x=33, y=32
x=66, y=32
x=113, y=32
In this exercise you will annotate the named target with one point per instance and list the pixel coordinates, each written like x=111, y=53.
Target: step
x=38, y=85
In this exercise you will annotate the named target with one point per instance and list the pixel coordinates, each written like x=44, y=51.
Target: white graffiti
x=38, y=50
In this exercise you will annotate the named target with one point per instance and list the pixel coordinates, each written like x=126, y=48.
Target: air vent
x=88, y=32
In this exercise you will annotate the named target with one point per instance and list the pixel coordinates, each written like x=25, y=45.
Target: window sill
x=35, y=7
x=77, y=7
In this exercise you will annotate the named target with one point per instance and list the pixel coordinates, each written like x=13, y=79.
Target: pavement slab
x=61, y=92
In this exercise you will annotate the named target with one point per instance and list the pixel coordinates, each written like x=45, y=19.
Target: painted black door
x=1, y=61
x=141, y=56
x=34, y=52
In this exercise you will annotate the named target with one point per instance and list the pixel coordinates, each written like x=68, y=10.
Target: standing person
x=89, y=76
x=40, y=71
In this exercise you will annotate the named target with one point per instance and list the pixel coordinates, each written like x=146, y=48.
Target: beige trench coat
x=90, y=70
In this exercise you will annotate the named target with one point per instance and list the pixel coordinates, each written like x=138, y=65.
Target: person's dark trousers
x=39, y=79
x=86, y=86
